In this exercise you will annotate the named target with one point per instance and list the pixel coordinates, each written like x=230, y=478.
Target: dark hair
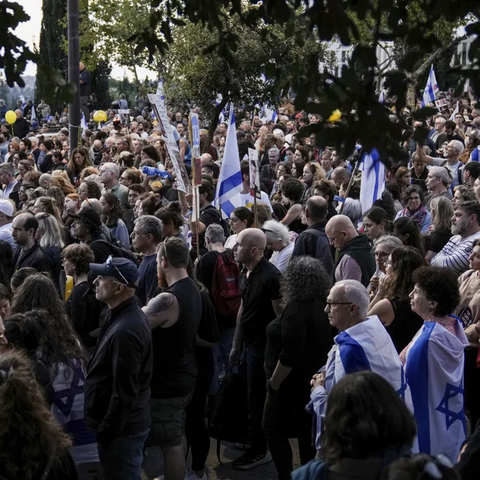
x=30, y=221
x=440, y=285
x=48, y=144
x=286, y=165
x=298, y=169
x=80, y=255
x=20, y=276
x=394, y=189
x=175, y=252
x=304, y=152
x=472, y=207
x=415, y=468
x=365, y=416
x=378, y=215
x=327, y=187
x=386, y=202
x=6, y=262
x=213, y=168
x=24, y=331
x=136, y=187
x=473, y=168
x=243, y=213
x=86, y=162
x=111, y=218
x=407, y=226
x=293, y=189
x=5, y=293
x=151, y=153
x=134, y=175
x=151, y=202
x=450, y=124
x=413, y=189
x=207, y=187
x=27, y=142
x=61, y=343
x=405, y=260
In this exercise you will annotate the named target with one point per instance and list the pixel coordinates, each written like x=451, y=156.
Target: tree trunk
x=213, y=125
x=412, y=93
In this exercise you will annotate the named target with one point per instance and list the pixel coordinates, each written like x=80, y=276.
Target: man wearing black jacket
x=117, y=390
x=21, y=127
x=313, y=241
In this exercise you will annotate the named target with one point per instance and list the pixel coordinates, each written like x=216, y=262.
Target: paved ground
x=153, y=464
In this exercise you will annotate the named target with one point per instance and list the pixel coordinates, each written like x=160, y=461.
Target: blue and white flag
x=222, y=117
x=83, y=122
x=434, y=368
x=268, y=114
x=33, y=115
x=431, y=89
x=365, y=346
x=230, y=178
x=457, y=109
x=381, y=98
x=373, y=179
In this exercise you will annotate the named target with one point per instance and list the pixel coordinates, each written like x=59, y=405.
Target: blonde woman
x=439, y=234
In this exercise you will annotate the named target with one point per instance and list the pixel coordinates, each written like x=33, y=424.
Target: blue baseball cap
x=122, y=269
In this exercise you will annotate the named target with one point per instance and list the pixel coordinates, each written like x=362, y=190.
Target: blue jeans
x=221, y=353
x=122, y=460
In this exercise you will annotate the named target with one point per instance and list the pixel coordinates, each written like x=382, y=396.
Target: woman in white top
x=240, y=219
x=278, y=239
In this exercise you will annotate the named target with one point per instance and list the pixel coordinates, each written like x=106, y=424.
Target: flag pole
x=350, y=183
x=255, y=210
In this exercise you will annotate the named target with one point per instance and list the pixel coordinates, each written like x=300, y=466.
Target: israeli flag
x=268, y=114
x=34, y=115
x=434, y=369
x=230, y=178
x=431, y=89
x=365, y=346
x=83, y=122
x=457, y=109
x=222, y=116
x=381, y=98
x=373, y=179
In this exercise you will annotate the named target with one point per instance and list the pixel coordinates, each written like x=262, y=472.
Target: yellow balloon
x=335, y=116
x=100, y=116
x=10, y=117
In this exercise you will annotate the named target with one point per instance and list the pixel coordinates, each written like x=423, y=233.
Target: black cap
x=88, y=215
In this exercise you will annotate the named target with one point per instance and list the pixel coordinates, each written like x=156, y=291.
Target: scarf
x=418, y=217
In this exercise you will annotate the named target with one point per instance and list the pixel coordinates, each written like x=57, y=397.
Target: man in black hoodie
x=355, y=259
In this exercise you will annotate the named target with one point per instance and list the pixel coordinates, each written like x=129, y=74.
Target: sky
x=30, y=33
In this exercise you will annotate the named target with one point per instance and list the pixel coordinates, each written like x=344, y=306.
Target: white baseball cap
x=7, y=208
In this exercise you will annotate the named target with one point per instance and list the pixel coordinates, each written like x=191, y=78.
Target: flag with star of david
x=434, y=369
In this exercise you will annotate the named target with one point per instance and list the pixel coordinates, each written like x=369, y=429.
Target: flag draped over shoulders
x=365, y=346
x=434, y=368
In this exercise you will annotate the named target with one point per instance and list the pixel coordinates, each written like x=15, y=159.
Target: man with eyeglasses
x=117, y=390
x=29, y=253
x=362, y=344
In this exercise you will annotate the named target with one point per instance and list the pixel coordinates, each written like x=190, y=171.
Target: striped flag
x=34, y=115
x=431, y=89
x=268, y=114
x=434, y=369
x=373, y=179
x=230, y=178
x=83, y=122
x=381, y=98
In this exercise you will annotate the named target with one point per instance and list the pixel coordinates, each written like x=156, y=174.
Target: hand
x=382, y=286
x=318, y=380
x=234, y=357
x=374, y=282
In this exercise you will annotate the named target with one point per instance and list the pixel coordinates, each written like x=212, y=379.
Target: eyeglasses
x=109, y=263
x=329, y=304
x=134, y=234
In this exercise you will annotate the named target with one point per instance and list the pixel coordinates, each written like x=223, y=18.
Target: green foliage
x=124, y=86
x=197, y=68
x=100, y=84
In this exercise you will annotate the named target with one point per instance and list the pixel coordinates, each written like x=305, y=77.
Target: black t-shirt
x=259, y=289
x=437, y=240
x=405, y=324
x=205, y=271
x=84, y=310
x=148, y=282
x=301, y=339
x=175, y=368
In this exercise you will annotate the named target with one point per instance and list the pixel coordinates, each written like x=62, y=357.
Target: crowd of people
x=357, y=331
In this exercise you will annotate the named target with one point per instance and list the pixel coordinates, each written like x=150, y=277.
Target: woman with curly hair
x=82, y=307
x=416, y=209
x=60, y=179
x=392, y=303
x=63, y=354
x=297, y=343
x=89, y=189
x=436, y=356
x=79, y=160
x=463, y=193
x=32, y=444
x=367, y=426
x=292, y=191
x=86, y=172
x=312, y=173
x=112, y=218
x=147, y=204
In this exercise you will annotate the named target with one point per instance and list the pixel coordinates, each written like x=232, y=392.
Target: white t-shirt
x=282, y=258
x=244, y=199
x=231, y=241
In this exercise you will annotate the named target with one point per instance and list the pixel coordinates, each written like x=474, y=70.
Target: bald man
x=260, y=305
x=355, y=259
x=313, y=242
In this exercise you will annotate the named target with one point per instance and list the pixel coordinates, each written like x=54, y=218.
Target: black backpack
x=229, y=418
